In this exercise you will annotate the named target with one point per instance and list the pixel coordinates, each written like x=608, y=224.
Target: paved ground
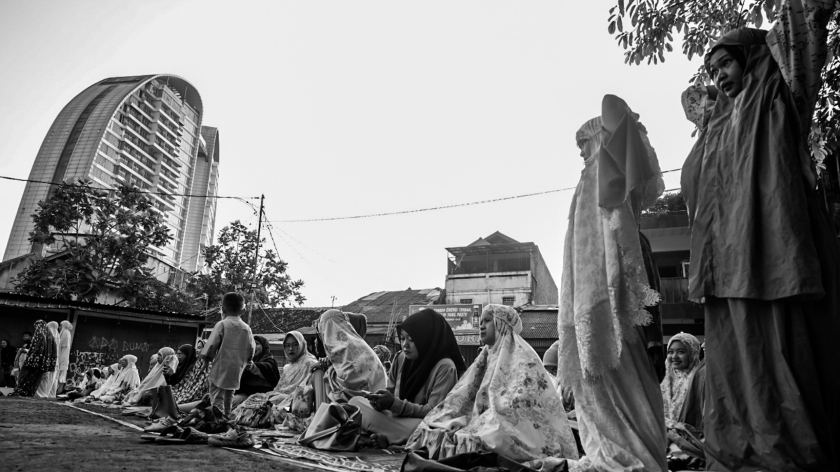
x=40, y=435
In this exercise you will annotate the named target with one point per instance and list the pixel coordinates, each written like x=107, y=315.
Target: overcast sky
x=348, y=108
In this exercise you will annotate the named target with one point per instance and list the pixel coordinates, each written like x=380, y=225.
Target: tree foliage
x=653, y=24
x=669, y=203
x=101, y=242
x=230, y=265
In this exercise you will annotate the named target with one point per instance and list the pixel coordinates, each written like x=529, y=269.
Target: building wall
x=84, y=119
x=201, y=218
x=545, y=290
x=123, y=129
x=489, y=288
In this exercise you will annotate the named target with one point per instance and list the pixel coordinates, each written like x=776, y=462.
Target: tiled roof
x=278, y=320
x=377, y=306
x=25, y=301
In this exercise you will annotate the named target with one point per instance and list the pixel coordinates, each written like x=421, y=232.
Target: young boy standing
x=230, y=347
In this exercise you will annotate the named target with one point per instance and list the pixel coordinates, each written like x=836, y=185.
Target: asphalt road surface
x=41, y=435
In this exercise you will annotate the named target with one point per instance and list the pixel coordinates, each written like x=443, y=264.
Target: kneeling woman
x=505, y=403
x=420, y=378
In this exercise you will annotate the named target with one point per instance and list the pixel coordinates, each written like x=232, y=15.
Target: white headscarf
x=107, y=383
x=166, y=357
x=674, y=386
x=128, y=376
x=505, y=402
x=296, y=371
x=354, y=364
x=64, y=342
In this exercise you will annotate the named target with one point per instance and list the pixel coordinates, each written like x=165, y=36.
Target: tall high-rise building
x=143, y=130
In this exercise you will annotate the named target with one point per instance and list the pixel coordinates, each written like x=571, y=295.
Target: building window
x=466, y=301
x=508, y=301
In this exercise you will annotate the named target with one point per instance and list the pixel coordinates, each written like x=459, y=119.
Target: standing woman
x=604, y=295
x=420, y=378
x=64, y=342
x=505, y=402
x=48, y=384
x=764, y=257
x=40, y=359
x=7, y=359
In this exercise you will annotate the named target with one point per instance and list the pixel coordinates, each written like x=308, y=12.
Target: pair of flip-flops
x=176, y=435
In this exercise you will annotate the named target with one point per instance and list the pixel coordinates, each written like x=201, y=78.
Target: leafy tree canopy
x=102, y=242
x=668, y=203
x=230, y=265
x=646, y=30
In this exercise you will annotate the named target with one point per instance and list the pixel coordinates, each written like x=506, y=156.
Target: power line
x=304, y=245
x=269, y=226
x=130, y=190
x=443, y=207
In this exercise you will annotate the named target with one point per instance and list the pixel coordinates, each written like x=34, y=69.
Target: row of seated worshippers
x=120, y=383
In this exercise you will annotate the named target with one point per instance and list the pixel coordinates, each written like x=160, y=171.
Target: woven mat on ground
x=354, y=464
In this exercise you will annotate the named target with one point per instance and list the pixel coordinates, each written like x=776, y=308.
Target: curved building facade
x=141, y=130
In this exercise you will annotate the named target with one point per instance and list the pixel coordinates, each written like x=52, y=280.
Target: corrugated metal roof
x=25, y=301
x=377, y=306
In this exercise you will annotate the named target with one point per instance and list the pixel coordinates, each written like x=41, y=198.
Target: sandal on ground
x=187, y=436
x=232, y=438
x=160, y=426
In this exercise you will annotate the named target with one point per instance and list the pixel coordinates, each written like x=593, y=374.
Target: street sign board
x=463, y=319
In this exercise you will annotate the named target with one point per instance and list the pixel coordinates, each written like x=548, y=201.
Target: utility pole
x=333, y=302
x=256, y=259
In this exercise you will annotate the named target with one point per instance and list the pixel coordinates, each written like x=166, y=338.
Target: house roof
x=669, y=239
x=9, y=262
x=474, y=250
x=26, y=301
x=377, y=306
x=279, y=320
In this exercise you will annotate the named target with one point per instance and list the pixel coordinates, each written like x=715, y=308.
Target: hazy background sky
x=344, y=108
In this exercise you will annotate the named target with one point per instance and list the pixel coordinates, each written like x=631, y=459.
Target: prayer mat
x=335, y=461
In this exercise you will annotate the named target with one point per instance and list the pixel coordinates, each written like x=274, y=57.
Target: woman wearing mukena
x=764, y=257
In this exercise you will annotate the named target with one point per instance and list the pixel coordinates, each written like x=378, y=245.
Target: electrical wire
x=443, y=207
x=15, y=179
x=304, y=245
x=269, y=226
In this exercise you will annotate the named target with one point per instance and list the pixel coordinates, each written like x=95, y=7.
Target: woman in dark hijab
x=260, y=376
x=421, y=376
x=42, y=357
x=359, y=323
x=186, y=361
x=764, y=256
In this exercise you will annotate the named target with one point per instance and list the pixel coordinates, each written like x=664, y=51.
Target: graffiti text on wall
x=103, y=343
